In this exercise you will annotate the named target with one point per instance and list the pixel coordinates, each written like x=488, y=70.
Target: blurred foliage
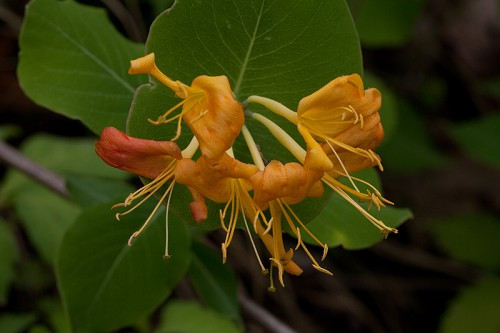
x=479, y=139
x=471, y=238
x=476, y=309
x=385, y=23
x=190, y=317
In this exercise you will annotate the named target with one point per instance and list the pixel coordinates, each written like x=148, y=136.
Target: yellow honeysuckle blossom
x=325, y=115
x=208, y=107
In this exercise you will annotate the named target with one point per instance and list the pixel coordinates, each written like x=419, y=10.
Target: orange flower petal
x=216, y=119
x=147, y=158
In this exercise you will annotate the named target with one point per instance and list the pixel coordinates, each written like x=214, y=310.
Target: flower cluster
x=340, y=125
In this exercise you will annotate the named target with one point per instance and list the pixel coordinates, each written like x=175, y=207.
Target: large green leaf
x=45, y=217
x=214, y=281
x=341, y=224
x=190, y=317
x=105, y=284
x=482, y=249
x=476, y=309
x=8, y=257
x=276, y=49
x=74, y=62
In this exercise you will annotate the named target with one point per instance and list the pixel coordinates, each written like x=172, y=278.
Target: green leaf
x=104, y=283
x=476, y=309
x=89, y=190
x=45, y=216
x=15, y=322
x=275, y=49
x=341, y=224
x=214, y=281
x=480, y=232
x=74, y=62
x=480, y=139
x=411, y=149
x=385, y=23
x=75, y=156
x=189, y=317
x=8, y=257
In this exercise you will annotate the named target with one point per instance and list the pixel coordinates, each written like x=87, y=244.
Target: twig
x=57, y=183
x=11, y=19
x=258, y=313
x=15, y=159
x=125, y=18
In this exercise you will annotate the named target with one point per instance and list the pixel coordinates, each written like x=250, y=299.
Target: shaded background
x=437, y=65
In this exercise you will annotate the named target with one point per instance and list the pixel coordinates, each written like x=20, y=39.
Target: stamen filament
x=167, y=255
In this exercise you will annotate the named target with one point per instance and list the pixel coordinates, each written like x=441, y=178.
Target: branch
x=15, y=159
x=258, y=313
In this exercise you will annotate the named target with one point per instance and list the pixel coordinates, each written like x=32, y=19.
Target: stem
x=15, y=159
x=275, y=107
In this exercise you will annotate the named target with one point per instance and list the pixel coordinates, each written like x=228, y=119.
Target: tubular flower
x=329, y=178
x=147, y=158
x=325, y=115
x=227, y=181
x=277, y=186
x=208, y=108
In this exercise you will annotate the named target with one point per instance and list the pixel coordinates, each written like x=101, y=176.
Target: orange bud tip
x=143, y=65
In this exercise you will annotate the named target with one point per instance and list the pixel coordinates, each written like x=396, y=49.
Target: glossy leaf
x=105, y=284
x=476, y=309
x=74, y=62
x=214, y=281
x=274, y=49
x=341, y=224
x=189, y=317
x=471, y=238
x=8, y=257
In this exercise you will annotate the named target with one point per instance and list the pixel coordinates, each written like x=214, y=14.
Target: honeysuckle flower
x=341, y=105
x=208, y=107
x=157, y=160
x=329, y=178
x=277, y=186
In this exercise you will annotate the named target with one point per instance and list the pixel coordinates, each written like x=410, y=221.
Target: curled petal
x=216, y=119
x=142, y=157
x=212, y=178
x=338, y=105
x=290, y=181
